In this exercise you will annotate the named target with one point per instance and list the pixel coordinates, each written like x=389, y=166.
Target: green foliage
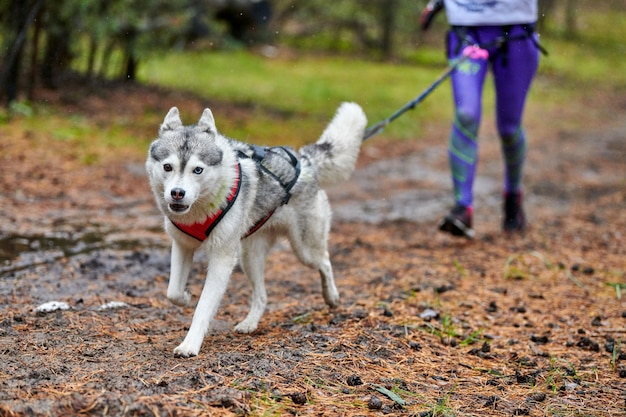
x=89, y=141
x=391, y=395
x=524, y=266
x=459, y=268
x=302, y=319
x=442, y=407
x=618, y=288
x=305, y=91
x=290, y=98
x=615, y=353
x=349, y=26
x=472, y=338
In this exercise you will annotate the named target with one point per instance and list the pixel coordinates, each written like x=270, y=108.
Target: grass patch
x=86, y=141
x=305, y=91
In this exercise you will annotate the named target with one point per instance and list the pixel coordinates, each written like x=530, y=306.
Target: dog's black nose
x=178, y=194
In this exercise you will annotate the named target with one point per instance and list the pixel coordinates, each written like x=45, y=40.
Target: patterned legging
x=513, y=66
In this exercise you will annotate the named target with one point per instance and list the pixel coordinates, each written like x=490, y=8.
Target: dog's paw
x=185, y=351
x=181, y=300
x=332, y=299
x=246, y=326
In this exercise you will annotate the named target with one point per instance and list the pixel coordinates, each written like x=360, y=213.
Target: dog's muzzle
x=177, y=195
x=178, y=208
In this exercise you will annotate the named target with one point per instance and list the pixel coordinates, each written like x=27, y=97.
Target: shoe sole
x=515, y=225
x=456, y=228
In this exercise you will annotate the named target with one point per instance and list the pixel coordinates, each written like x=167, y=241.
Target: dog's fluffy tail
x=336, y=151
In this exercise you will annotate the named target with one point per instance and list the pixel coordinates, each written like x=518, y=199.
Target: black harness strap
x=504, y=47
x=258, y=154
x=465, y=34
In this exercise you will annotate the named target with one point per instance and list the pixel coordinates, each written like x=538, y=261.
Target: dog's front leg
x=181, y=262
x=218, y=274
x=253, y=256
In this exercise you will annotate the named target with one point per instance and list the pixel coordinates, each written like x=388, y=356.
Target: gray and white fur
x=193, y=169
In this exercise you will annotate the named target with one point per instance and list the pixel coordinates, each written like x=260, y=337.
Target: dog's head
x=186, y=168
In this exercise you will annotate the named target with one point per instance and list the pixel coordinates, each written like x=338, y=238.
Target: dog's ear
x=171, y=121
x=207, y=122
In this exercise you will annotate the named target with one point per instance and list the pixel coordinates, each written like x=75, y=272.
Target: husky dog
x=231, y=199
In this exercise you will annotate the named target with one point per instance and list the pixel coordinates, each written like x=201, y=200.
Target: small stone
x=588, y=344
x=298, y=398
x=113, y=305
x=519, y=309
x=375, y=403
x=52, y=306
x=415, y=346
x=360, y=314
x=444, y=288
x=354, y=380
x=570, y=386
x=429, y=314
x=524, y=379
x=537, y=397
x=492, y=401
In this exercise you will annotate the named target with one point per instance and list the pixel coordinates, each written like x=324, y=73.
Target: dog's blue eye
x=167, y=168
x=198, y=170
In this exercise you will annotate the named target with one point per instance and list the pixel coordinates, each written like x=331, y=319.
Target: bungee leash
x=473, y=51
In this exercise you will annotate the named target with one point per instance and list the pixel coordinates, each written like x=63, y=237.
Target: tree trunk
x=34, y=54
x=387, y=24
x=22, y=15
x=131, y=68
x=91, y=59
x=571, y=9
x=55, y=57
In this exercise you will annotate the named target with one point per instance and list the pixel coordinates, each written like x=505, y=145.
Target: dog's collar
x=202, y=230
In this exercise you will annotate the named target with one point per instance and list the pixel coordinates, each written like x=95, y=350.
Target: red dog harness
x=202, y=230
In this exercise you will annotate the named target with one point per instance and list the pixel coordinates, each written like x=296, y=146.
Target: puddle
x=18, y=252
x=12, y=246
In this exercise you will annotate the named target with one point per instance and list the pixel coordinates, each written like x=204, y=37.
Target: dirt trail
x=429, y=325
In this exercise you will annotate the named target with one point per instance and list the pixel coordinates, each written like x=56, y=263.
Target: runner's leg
x=513, y=77
x=467, y=87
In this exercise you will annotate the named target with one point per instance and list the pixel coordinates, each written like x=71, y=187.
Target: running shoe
x=514, y=218
x=458, y=222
